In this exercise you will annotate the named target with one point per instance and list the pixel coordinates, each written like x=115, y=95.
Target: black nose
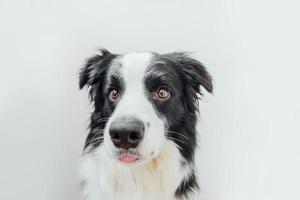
x=126, y=132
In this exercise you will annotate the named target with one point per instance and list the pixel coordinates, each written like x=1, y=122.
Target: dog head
x=143, y=100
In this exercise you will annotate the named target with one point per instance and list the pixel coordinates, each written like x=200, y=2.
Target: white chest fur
x=103, y=178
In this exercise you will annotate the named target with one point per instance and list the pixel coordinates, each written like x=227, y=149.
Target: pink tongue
x=128, y=158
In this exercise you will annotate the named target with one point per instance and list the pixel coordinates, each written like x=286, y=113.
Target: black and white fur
x=165, y=169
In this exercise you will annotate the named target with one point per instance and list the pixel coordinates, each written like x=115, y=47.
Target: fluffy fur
x=165, y=168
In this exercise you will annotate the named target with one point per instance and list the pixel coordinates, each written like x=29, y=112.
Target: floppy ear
x=194, y=75
x=92, y=74
x=93, y=67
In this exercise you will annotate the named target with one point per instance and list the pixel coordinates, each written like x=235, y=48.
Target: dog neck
x=104, y=178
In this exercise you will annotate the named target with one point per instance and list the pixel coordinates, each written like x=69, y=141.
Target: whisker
x=179, y=134
x=95, y=139
x=102, y=119
x=97, y=131
x=177, y=145
x=171, y=138
x=94, y=142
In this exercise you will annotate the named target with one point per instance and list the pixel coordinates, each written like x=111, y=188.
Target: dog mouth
x=128, y=158
x=128, y=155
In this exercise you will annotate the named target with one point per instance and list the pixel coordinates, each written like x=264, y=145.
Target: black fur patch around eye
x=184, y=76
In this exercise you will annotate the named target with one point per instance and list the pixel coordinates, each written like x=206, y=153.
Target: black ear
x=94, y=70
x=194, y=76
x=93, y=67
x=195, y=73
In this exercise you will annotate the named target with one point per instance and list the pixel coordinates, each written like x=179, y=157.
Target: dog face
x=142, y=100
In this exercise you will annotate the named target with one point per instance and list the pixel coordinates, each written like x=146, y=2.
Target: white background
x=249, y=130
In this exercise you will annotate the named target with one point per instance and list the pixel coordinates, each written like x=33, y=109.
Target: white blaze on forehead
x=134, y=66
x=133, y=69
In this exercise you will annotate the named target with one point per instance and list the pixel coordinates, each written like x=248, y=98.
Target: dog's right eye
x=113, y=95
x=162, y=94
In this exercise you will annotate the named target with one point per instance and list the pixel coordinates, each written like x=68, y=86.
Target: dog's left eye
x=113, y=95
x=162, y=94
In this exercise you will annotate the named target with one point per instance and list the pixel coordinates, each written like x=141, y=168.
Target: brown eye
x=113, y=95
x=162, y=94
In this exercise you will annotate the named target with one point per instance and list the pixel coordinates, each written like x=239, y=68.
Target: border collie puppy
x=142, y=137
